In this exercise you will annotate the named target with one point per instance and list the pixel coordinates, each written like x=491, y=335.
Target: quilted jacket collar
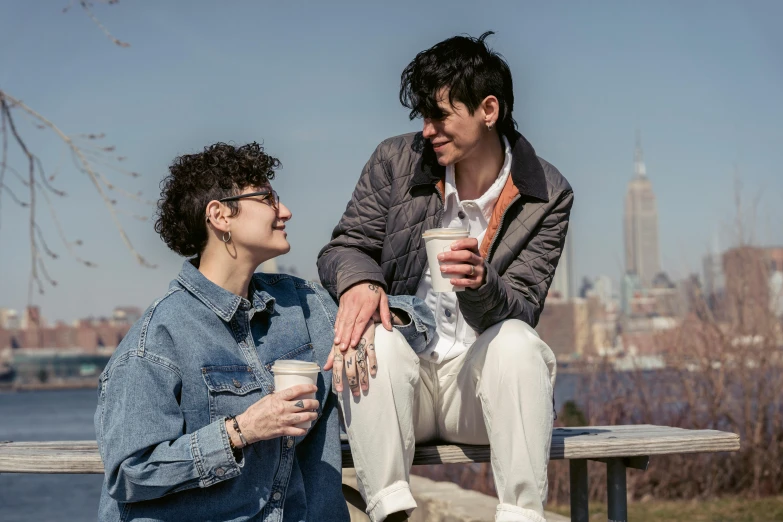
x=526, y=170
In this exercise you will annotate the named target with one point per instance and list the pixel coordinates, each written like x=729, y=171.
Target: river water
x=48, y=415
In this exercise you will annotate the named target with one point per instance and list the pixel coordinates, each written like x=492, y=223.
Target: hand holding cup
x=463, y=264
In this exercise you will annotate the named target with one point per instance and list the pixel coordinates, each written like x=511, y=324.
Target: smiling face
x=259, y=228
x=456, y=134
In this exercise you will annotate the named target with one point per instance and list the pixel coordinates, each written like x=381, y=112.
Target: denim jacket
x=199, y=354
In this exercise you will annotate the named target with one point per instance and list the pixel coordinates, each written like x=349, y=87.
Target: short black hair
x=220, y=171
x=469, y=69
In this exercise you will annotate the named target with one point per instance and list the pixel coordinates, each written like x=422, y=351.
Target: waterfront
x=68, y=415
x=48, y=415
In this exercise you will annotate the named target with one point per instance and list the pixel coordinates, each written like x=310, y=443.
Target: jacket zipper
x=500, y=225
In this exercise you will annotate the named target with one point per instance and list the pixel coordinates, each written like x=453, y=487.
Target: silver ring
x=472, y=270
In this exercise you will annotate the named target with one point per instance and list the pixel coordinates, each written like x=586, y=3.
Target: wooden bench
x=619, y=447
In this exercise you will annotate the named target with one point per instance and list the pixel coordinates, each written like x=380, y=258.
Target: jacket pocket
x=306, y=352
x=232, y=389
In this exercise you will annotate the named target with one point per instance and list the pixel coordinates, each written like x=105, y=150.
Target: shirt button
x=220, y=472
x=434, y=355
x=237, y=384
x=461, y=214
x=289, y=443
x=448, y=313
x=277, y=495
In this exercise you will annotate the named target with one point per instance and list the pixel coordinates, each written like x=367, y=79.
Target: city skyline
x=323, y=99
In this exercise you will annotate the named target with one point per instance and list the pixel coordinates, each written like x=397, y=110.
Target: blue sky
x=318, y=83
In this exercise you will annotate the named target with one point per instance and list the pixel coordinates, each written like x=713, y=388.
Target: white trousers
x=499, y=393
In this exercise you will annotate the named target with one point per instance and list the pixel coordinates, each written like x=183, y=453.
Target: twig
x=86, y=6
x=61, y=233
x=13, y=196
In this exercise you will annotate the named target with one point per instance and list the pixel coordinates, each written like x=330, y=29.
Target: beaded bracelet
x=233, y=419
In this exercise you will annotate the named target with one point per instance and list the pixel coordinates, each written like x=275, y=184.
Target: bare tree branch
x=86, y=167
x=88, y=159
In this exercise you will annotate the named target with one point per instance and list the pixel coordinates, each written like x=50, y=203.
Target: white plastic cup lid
x=293, y=366
x=456, y=232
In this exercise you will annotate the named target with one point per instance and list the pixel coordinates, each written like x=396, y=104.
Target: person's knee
x=392, y=346
x=518, y=345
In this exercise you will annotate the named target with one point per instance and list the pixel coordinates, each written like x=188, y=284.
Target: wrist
x=399, y=317
x=233, y=438
x=234, y=430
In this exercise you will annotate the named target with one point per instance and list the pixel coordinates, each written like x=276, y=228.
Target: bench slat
x=592, y=442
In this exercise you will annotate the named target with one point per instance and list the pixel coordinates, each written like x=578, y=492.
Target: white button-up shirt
x=453, y=335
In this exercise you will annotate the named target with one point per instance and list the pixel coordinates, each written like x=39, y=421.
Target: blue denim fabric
x=420, y=329
x=201, y=353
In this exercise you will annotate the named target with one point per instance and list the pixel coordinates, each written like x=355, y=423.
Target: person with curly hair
x=188, y=423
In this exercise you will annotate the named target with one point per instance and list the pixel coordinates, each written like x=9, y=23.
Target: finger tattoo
x=373, y=287
x=349, y=361
x=361, y=356
x=361, y=364
x=299, y=404
x=337, y=378
x=352, y=383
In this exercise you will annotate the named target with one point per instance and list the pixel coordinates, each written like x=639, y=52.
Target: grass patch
x=732, y=509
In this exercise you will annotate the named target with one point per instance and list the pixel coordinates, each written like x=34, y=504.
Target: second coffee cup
x=439, y=240
x=290, y=373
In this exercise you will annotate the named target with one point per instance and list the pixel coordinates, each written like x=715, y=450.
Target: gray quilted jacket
x=400, y=195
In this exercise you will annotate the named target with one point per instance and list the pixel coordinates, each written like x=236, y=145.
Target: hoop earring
x=226, y=239
x=489, y=126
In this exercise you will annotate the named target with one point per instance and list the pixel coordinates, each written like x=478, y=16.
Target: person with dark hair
x=485, y=377
x=189, y=424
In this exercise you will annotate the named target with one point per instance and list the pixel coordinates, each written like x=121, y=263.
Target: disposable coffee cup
x=289, y=373
x=439, y=240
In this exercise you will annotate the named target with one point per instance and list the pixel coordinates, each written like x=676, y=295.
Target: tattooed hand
x=356, y=365
x=357, y=306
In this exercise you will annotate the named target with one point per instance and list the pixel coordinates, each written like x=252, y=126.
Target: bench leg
x=579, y=512
x=616, y=487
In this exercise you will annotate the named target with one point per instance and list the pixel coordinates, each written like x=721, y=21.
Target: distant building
x=32, y=318
x=126, y=315
x=9, y=319
x=775, y=258
x=747, y=272
x=642, y=255
x=569, y=326
x=563, y=283
x=630, y=288
x=603, y=290
x=776, y=293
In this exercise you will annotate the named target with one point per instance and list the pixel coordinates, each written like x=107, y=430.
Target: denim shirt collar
x=224, y=303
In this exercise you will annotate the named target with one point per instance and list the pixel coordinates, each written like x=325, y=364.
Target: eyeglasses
x=270, y=195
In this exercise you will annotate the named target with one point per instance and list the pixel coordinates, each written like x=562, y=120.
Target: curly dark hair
x=220, y=171
x=469, y=69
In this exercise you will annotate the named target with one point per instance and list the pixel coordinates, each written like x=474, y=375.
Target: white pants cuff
x=397, y=497
x=511, y=513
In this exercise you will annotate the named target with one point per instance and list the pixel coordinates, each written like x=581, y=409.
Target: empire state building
x=642, y=256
